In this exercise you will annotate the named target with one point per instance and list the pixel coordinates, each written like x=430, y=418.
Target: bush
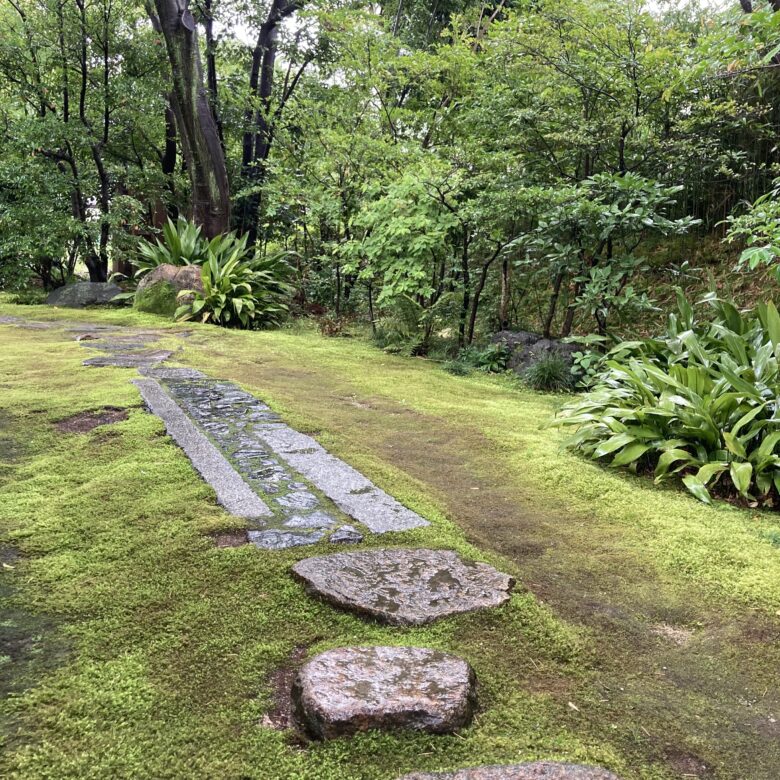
x=550, y=373
x=457, y=368
x=699, y=403
x=238, y=291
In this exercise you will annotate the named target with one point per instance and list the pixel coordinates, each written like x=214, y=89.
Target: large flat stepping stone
x=353, y=689
x=406, y=587
x=539, y=770
x=129, y=359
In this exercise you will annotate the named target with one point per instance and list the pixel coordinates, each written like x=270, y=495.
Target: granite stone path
x=284, y=482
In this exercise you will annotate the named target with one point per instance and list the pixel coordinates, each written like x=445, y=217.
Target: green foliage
x=699, y=402
x=549, y=373
x=590, y=234
x=457, y=368
x=491, y=359
x=759, y=229
x=238, y=291
x=181, y=244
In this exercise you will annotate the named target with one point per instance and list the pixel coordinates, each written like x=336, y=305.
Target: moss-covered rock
x=158, y=291
x=157, y=298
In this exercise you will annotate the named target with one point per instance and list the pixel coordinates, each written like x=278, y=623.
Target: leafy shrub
x=699, y=402
x=181, y=244
x=759, y=229
x=550, y=373
x=492, y=359
x=332, y=326
x=238, y=291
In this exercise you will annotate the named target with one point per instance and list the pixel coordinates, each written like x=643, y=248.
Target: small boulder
x=158, y=291
x=526, y=348
x=81, y=294
x=352, y=689
x=538, y=770
x=347, y=534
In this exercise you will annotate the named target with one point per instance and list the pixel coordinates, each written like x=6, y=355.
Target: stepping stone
x=539, y=770
x=129, y=360
x=405, y=587
x=312, y=520
x=172, y=373
x=347, y=534
x=353, y=689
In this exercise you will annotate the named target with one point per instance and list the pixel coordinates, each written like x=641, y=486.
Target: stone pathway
x=296, y=493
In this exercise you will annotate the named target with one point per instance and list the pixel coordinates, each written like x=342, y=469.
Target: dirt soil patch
x=280, y=716
x=86, y=421
x=236, y=538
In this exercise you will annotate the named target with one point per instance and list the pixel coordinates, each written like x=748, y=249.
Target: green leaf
x=734, y=445
x=697, y=488
x=630, y=453
x=741, y=475
x=612, y=444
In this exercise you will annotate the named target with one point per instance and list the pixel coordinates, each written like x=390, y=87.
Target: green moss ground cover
x=643, y=637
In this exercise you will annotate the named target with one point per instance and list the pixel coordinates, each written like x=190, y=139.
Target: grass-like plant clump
x=550, y=373
x=700, y=403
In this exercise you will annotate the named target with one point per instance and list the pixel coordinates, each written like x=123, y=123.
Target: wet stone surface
x=347, y=534
x=128, y=351
x=240, y=431
x=129, y=359
x=404, y=586
x=230, y=417
x=354, y=689
x=538, y=770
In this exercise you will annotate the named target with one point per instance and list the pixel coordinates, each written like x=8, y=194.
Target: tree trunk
x=503, y=309
x=464, y=269
x=478, y=293
x=548, y=320
x=197, y=128
x=259, y=133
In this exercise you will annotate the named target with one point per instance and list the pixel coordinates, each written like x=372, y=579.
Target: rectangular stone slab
x=347, y=488
x=232, y=492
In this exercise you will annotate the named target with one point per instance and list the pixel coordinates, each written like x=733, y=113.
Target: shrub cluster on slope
x=700, y=403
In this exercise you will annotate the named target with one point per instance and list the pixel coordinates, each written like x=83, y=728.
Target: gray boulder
x=526, y=348
x=81, y=294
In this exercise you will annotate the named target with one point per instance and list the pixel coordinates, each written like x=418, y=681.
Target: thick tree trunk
x=194, y=118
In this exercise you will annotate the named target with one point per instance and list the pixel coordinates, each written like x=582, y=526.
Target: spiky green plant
x=238, y=290
x=181, y=244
